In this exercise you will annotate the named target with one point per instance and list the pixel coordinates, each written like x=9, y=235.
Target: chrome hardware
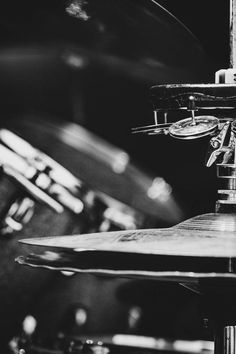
x=230, y=340
x=222, y=147
x=19, y=213
x=40, y=161
x=41, y=177
x=192, y=108
x=113, y=216
x=33, y=190
x=194, y=127
x=218, y=146
x=226, y=174
x=157, y=129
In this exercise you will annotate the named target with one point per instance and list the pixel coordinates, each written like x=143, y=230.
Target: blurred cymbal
x=135, y=38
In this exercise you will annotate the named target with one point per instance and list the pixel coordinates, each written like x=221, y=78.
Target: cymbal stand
x=208, y=110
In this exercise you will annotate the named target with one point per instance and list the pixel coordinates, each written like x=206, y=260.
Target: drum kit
x=92, y=215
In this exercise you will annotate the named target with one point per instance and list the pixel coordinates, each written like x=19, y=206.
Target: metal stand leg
x=230, y=340
x=225, y=340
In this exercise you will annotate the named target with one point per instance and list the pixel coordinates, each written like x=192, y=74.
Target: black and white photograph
x=118, y=177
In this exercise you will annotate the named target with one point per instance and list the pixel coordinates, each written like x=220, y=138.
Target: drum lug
x=42, y=177
x=19, y=213
x=32, y=189
x=118, y=218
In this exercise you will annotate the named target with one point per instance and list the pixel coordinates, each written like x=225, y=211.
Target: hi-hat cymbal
x=199, y=251
x=104, y=264
x=204, y=236
x=135, y=38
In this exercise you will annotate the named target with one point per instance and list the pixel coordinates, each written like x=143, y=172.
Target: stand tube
x=232, y=33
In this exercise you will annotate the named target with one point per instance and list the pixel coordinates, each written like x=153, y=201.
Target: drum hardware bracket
x=113, y=216
x=42, y=179
x=22, y=208
x=32, y=189
x=217, y=146
x=19, y=213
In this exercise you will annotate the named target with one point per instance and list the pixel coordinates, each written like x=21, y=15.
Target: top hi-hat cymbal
x=208, y=235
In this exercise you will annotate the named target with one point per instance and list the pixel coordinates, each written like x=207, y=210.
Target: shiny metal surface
x=19, y=214
x=226, y=201
x=199, y=251
x=230, y=340
x=206, y=96
x=52, y=261
x=173, y=104
x=193, y=129
x=208, y=235
x=218, y=146
x=41, y=177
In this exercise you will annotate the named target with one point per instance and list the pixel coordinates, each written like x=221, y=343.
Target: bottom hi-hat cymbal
x=133, y=267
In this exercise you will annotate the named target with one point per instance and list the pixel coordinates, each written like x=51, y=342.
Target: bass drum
x=63, y=204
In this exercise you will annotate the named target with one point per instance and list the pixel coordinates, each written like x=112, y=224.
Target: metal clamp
x=218, y=146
